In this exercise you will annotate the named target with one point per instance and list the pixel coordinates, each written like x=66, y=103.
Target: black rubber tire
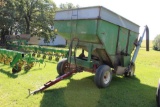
x=34, y=54
x=38, y=55
x=44, y=57
x=100, y=78
x=50, y=58
x=61, y=66
x=27, y=68
x=57, y=59
x=158, y=95
x=16, y=70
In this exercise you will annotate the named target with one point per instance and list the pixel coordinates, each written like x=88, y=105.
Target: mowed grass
x=80, y=90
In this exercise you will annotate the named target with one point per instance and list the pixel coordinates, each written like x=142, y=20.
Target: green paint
x=39, y=49
x=107, y=33
x=125, y=60
x=99, y=32
x=17, y=56
x=132, y=39
x=85, y=30
x=123, y=37
x=82, y=63
x=16, y=59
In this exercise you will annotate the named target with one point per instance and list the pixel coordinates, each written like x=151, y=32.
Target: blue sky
x=141, y=12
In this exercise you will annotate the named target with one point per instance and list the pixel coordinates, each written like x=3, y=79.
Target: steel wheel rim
x=65, y=66
x=106, y=77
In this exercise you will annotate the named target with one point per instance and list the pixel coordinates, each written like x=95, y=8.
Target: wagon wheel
x=38, y=55
x=7, y=61
x=27, y=68
x=103, y=76
x=32, y=64
x=50, y=58
x=16, y=69
x=44, y=56
x=57, y=59
x=3, y=59
x=34, y=54
x=130, y=71
x=158, y=95
x=62, y=66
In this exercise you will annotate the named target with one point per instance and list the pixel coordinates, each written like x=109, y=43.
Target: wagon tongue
x=50, y=83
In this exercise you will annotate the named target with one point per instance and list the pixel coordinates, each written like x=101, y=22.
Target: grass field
x=80, y=90
x=143, y=45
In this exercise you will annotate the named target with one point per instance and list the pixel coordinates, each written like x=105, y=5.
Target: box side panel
x=114, y=18
x=84, y=30
x=97, y=12
x=125, y=61
x=107, y=33
x=87, y=31
x=64, y=28
x=81, y=13
x=122, y=42
x=132, y=39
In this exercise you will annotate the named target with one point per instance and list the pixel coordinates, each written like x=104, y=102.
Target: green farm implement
x=17, y=60
x=22, y=45
x=21, y=54
x=108, y=38
x=43, y=52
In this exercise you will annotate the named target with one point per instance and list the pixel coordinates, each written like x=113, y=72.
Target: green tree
x=7, y=19
x=34, y=17
x=156, y=43
x=63, y=6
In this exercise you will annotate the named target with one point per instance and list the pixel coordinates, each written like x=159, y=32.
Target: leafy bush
x=156, y=43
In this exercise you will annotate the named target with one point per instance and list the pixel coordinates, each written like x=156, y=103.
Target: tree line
x=34, y=17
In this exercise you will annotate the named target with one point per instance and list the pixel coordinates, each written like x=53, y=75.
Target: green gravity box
x=101, y=32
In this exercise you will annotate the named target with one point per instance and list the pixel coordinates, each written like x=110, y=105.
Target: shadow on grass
x=8, y=73
x=31, y=70
x=53, y=98
x=51, y=61
x=122, y=92
x=127, y=92
x=63, y=97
